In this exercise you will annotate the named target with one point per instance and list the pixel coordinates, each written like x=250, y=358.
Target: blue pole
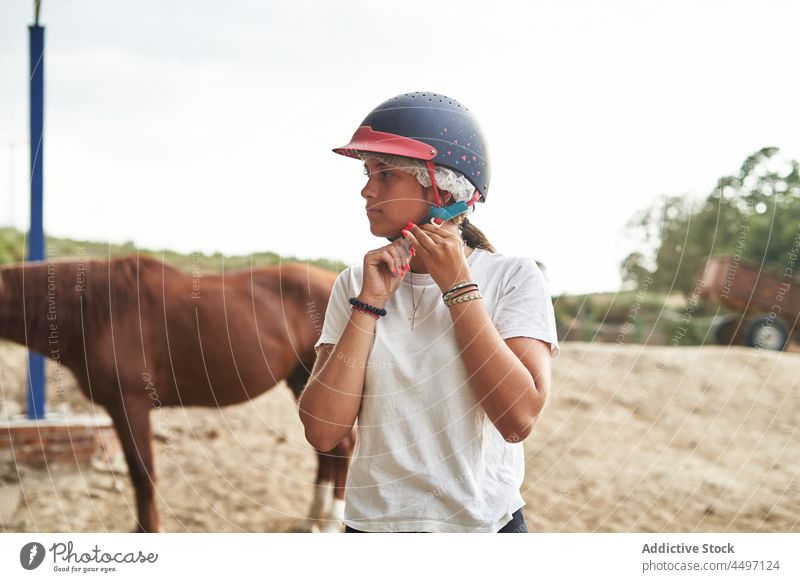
x=36, y=380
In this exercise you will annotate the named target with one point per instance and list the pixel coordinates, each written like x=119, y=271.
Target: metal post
x=36, y=379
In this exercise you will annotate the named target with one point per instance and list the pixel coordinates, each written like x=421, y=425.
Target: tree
x=754, y=214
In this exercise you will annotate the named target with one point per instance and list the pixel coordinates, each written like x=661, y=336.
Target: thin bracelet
x=372, y=315
x=458, y=288
x=458, y=285
x=461, y=294
x=465, y=292
x=450, y=292
x=464, y=298
x=454, y=293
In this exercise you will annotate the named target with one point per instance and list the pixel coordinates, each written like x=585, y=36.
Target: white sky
x=208, y=126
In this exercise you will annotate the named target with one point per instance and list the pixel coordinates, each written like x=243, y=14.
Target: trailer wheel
x=725, y=329
x=766, y=333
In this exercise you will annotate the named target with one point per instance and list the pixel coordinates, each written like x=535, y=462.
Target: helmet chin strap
x=438, y=214
x=437, y=201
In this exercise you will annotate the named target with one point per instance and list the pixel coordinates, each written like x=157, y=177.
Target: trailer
x=765, y=301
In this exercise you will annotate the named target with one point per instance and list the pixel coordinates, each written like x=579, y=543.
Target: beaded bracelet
x=366, y=306
x=464, y=298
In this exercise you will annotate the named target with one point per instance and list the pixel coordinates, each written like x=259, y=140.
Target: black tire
x=725, y=329
x=766, y=333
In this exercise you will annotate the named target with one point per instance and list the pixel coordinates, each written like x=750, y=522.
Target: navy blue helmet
x=430, y=127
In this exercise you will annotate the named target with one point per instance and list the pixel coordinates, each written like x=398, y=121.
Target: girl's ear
x=446, y=197
x=429, y=194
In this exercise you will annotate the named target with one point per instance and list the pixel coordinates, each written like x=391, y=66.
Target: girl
x=439, y=346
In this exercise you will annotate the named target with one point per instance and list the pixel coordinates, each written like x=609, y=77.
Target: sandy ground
x=634, y=438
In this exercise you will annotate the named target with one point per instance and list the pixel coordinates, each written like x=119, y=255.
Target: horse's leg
x=131, y=418
x=340, y=459
x=323, y=494
x=323, y=485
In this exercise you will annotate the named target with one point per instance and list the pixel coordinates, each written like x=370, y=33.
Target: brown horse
x=135, y=331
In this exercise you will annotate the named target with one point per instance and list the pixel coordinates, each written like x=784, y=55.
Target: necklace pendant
x=413, y=303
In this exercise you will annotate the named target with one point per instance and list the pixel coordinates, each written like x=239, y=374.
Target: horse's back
x=239, y=333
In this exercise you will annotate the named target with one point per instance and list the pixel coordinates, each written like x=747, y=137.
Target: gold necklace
x=416, y=306
x=414, y=313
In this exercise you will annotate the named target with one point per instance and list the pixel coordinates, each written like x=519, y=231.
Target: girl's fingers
x=401, y=262
x=418, y=237
x=436, y=233
x=400, y=249
x=390, y=260
x=411, y=239
x=405, y=249
x=397, y=263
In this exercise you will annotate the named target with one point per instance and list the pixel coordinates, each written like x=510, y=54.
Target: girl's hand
x=442, y=251
x=384, y=268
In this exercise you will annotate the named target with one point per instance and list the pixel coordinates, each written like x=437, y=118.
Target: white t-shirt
x=427, y=457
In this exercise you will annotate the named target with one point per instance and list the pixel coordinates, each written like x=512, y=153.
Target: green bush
x=698, y=331
x=13, y=250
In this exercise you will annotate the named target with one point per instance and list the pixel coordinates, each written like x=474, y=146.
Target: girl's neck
x=417, y=266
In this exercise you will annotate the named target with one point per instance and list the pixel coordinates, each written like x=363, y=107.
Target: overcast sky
x=209, y=126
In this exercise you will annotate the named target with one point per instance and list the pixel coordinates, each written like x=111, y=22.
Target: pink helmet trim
x=366, y=139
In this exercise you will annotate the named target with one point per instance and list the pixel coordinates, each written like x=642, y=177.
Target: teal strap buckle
x=448, y=212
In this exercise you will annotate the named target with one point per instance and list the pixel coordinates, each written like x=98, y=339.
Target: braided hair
x=473, y=235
